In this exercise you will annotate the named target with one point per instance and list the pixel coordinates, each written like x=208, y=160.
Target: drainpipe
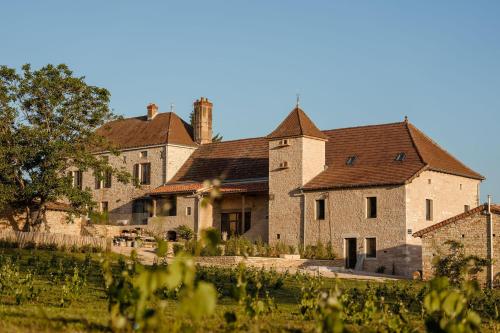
x=490, y=243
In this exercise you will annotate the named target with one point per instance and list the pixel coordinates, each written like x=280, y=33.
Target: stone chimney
x=202, y=122
x=152, y=110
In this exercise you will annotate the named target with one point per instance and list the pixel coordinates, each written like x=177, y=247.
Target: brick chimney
x=202, y=124
x=152, y=110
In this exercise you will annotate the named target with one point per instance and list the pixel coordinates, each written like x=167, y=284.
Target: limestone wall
x=346, y=217
x=120, y=196
x=57, y=222
x=472, y=232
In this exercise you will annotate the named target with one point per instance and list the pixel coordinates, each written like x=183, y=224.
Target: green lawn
x=89, y=312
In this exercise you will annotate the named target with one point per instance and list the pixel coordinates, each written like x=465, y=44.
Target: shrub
x=185, y=232
x=319, y=251
x=178, y=248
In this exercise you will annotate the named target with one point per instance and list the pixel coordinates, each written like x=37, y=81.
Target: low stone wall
x=266, y=262
x=61, y=240
x=56, y=222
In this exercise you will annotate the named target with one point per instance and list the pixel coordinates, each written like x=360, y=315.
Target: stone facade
x=304, y=158
x=165, y=162
x=473, y=232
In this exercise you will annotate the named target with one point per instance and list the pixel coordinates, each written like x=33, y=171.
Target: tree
x=48, y=119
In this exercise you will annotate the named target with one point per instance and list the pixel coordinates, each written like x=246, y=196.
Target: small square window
x=460, y=186
x=466, y=208
x=429, y=181
x=371, y=247
x=277, y=236
x=144, y=154
x=371, y=207
x=284, y=165
x=400, y=157
x=320, y=209
x=188, y=211
x=350, y=160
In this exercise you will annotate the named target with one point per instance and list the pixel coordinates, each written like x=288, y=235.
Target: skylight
x=400, y=157
x=350, y=160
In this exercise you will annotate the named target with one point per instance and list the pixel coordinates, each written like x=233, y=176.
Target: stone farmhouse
x=365, y=189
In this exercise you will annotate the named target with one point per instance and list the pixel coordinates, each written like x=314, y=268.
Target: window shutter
x=136, y=171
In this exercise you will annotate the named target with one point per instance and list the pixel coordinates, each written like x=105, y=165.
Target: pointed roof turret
x=297, y=123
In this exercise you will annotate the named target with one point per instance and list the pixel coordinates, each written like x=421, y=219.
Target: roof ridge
x=234, y=140
x=407, y=126
x=300, y=122
x=362, y=126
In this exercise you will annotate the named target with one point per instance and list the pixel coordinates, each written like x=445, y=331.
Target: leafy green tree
x=48, y=119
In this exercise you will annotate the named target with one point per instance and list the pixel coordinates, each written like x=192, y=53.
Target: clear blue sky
x=353, y=63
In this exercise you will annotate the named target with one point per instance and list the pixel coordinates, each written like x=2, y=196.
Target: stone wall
x=56, y=222
x=120, y=196
x=472, y=232
x=449, y=195
x=346, y=217
x=165, y=223
x=306, y=159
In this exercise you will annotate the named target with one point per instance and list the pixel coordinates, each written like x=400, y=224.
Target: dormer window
x=283, y=142
x=284, y=165
x=400, y=157
x=350, y=160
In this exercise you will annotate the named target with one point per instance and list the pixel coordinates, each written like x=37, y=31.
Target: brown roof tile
x=494, y=209
x=225, y=188
x=297, y=123
x=227, y=160
x=139, y=132
x=375, y=148
x=437, y=158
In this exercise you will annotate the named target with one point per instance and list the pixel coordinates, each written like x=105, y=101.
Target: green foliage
x=319, y=251
x=456, y=265
x=16, y=284
x=185, y=232
x=48, y=123
x=447, y=309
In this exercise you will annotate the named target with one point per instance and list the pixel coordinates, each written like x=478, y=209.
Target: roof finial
x=298, y=101
x=172, y=107
x=406, y=119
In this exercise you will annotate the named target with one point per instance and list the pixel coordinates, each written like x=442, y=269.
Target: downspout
x=304, y=212
x=490, y=244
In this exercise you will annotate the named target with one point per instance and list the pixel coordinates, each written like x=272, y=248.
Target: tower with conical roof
x=296, y=155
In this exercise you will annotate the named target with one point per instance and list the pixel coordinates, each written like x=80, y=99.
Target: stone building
x=365, y=189
x=476, y=229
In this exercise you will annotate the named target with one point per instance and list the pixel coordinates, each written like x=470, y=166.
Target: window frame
x=371, y=207
x=429, y=210
x=318, y=205
x=368, y=253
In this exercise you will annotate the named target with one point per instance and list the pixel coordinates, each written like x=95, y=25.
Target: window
x=350, y=160
x=371, y=247
x=460, y=187
x=466, y=208
x=277, y=236
x=124, y=159
x=371, y=207
x=400, y=157
x=104, y=207
x=284, y=165
x=429, y=181
x=428, y=209
x=232, y=223
x=166, y=206
x=107, y=179
x=188, y=211
x=283, y=142
x=76, y=178
x=142, y=172
x=320, y=209
x=98, y=181
x=144, y=154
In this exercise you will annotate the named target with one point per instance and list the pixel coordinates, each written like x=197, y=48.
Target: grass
x=89, y=312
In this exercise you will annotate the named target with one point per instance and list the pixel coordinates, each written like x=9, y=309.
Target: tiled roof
x=225, y=188
x=139, y=131
x=375, y=148
x=227, y=160
x=494, y=209
x=437, y=158
x=297, y=123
